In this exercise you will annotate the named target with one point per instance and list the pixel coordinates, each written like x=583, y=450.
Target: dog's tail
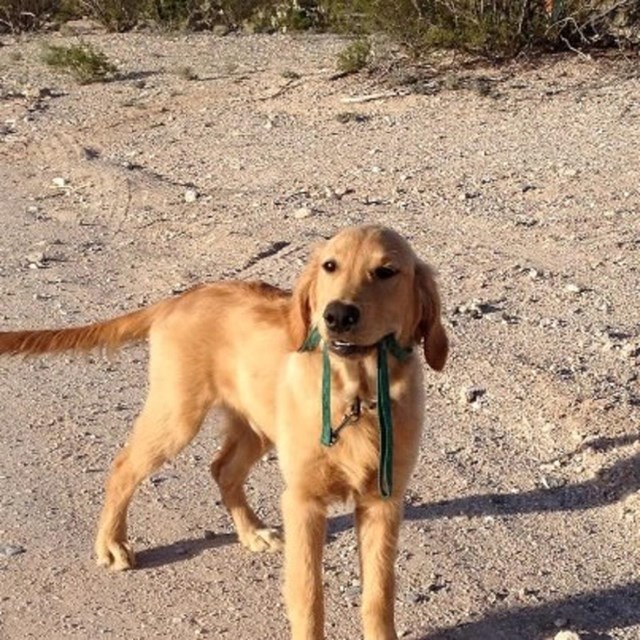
x=109, y=335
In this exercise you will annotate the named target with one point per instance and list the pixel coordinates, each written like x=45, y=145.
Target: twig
x=383, y=95
x=581, y=55
x=294, y=82
x=338, y=74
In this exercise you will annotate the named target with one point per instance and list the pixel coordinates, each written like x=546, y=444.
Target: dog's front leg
x=304, y=530
x=378, y=523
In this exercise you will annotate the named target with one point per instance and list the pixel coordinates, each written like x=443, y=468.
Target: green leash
x=329, y=435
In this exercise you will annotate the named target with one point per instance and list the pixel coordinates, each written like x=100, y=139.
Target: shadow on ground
x=610, y=485
x=591, y=614
x=180, y=551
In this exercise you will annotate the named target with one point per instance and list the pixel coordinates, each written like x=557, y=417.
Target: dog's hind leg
x=156, y=439
x=241, y=448
x=173, y=413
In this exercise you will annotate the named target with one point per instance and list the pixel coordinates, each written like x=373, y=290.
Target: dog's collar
x=388, y=344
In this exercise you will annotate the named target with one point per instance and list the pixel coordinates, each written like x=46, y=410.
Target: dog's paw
x=261, y=540
x=116, y=555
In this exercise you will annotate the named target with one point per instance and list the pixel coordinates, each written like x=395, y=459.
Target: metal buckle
x=353, y=415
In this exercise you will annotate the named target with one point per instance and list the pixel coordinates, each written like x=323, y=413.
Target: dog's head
x=362, y=285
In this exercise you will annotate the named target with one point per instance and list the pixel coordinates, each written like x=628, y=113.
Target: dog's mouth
x=349, y=349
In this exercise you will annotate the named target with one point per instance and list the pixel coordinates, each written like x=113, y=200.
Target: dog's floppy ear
x=429, y=327
x=301, y=303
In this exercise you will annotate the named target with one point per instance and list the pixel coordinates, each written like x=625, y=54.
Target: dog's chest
x=350, y=464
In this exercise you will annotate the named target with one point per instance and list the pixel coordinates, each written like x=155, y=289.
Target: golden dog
x=236, y=346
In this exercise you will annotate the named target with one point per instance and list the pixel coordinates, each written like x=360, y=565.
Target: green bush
x=84, y=62
x=354, y=57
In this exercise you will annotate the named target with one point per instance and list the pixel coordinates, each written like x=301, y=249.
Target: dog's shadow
x=610, y=485
x=180, y=551
x=594, y=613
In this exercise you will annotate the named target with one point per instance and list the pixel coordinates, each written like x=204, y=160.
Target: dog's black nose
x=341, y=317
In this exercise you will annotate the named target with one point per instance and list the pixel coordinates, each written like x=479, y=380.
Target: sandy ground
x=520, y=184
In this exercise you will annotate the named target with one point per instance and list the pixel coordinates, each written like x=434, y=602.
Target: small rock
x=59, y=182
x=630, y=350
x=11, y=550
x=534, y=274
x=303, y=212
x=220, y=30
x=475, y=309
x=35, y=260
x=566, y=635
x=415, y=597
x=471, y=394
x=191, y=195
x=90, y=153
x=552, y=482
x=352, y=592
x=525, y=221
x=340, y=192
x=573, y=288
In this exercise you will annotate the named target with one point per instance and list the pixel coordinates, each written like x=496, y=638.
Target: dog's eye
x=384, y=273
x=329, y=266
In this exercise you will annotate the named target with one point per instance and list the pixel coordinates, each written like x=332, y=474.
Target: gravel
x=453, y=169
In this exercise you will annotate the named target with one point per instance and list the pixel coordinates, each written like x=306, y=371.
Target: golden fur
x=234, y=346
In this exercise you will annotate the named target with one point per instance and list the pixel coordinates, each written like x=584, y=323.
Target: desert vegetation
x=492, y=28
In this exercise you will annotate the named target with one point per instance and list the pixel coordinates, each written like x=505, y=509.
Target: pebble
x=35, y=260
x=474, y=309
x=573, y=288
x=191, y=195
x=59, y=182
x=525, y=221
x=566, y=635
x=303, y=212
x=415, y=597
x=471, y=394
x=10, y=550
x=630, y=350
x=534, y=274
x=340, y=192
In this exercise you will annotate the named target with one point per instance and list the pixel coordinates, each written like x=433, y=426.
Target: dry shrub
x=32, y=15
x=493, y=28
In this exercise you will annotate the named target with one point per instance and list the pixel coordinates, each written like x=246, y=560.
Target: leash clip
x=353, y=415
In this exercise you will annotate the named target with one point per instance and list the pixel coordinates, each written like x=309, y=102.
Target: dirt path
x=522, y=188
